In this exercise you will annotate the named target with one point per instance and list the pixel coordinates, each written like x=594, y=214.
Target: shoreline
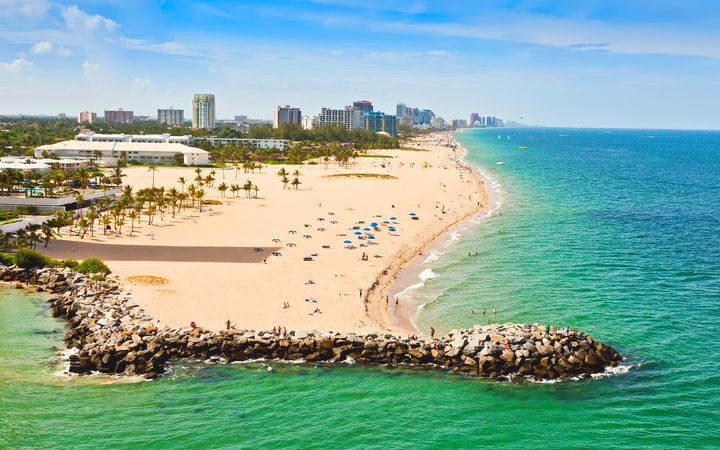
x=400, y=319
x=248, y=243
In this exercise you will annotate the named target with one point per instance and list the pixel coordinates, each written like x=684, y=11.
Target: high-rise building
x=459, y=123
x=438, y=122
x=171, y=116
x=408, y=115
x=474, y=119
x=203, y=111
x=286, y=114
x=349, y=117
x=402, y=110
x=381, y=122
x=119, y=116
x=86, y=117
x=365, y=106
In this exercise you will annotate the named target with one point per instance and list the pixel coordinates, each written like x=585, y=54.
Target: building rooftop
x=122, y=147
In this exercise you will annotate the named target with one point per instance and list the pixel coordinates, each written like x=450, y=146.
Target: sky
x=610, y=63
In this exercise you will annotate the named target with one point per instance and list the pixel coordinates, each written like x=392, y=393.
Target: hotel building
x=203, y=111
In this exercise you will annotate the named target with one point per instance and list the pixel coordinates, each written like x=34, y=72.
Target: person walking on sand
x=227, y=324
x=360, y=289
x=432, y=332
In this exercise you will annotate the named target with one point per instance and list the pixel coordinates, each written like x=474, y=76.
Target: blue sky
x=653, y=64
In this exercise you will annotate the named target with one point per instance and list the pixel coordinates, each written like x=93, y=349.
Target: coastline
x=219, y=277
x=390, y=283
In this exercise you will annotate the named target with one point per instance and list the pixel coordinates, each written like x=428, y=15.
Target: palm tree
x=182, y=182
x=132, y=215
x=296, y=182
x=91, y=215
x=247, y=187
x=234, y=188
x=199, y=194
x=79, y=199
x=84, y=225
x=117, y=175
x=283, y=174
x=222, y=188
x=119, y=222
x=153, y=168
x=256, y=189
x=47, y=233
x=105, y=220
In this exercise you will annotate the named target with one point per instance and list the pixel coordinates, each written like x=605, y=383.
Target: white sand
x=251, y=294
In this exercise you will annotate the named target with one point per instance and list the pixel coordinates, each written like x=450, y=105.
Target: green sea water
x=611, y=231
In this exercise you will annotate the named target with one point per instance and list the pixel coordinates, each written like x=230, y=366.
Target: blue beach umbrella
x=412, y=213
x=357, y=233
x=386, y=222
x=391, y=229
x=347, y=241
x=366, y=229
x=393, y=218
x=374, y=224
x=371, y=237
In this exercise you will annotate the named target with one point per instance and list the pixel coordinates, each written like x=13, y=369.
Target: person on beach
x=396, y=301
x=193, y=325
x=432, y=332
x=483, y=311
x=284, y=332
x=360, y=289
x=494, y=312
x=227, y=324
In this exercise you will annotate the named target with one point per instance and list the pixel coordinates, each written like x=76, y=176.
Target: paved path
x=24, y=222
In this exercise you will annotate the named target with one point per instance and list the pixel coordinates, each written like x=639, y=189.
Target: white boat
x=500, y=163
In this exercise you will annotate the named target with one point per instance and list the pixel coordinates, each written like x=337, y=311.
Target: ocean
x=615, y=232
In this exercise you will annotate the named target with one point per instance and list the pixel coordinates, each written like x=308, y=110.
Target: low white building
x=279, y=144
x=39, y=165
x=165, y=138
x=107, y=154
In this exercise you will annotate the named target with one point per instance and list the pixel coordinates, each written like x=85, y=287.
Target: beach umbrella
x=373, y=224
x=393, y=218
x=385, y=222
x=366, y=229
x=357, y=232
x=412, y=214
x=371, y=237
x=347, y=241
x=391, y=229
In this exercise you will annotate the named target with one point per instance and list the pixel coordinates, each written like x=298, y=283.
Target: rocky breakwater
x=112, y=335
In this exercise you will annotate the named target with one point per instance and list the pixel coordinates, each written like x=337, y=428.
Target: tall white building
x=349, y=117
x=308, y=122
x=286, y=114
x=203, y=111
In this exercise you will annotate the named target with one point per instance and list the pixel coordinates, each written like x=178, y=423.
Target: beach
x=282, y=259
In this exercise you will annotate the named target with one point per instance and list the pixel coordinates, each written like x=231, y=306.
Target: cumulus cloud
x=16, y=65
x=64, y=52
x=78, y=20
x=89, y=68
x=42, y=47
x=28, y=9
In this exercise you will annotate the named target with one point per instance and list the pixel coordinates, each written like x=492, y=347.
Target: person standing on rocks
x=227, y=324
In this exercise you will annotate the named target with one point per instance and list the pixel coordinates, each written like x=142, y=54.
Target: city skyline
x=601, y=64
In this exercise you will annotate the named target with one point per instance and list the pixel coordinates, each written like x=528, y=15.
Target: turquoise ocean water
x=616, y=232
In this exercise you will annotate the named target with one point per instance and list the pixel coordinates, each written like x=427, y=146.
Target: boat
x=522, y=146
x=500, y=163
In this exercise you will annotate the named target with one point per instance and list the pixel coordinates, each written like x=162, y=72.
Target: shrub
x=71, y=263
x=30, y=259
x=97, y=277
x=7, y=259
x=93, y=265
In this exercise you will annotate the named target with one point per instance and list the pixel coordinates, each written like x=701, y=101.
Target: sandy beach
x=244, y=259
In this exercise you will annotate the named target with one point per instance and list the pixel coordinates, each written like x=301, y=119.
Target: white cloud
x=30, y=9
x=89, y=68
x=78, y=20
x=64, y=52
x=42, y=47
x=17, y=65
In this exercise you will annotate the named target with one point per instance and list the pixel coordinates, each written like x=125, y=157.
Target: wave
x=433, y=256
x=427, y=274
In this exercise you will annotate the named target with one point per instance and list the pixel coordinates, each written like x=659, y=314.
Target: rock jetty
x=112, y=335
